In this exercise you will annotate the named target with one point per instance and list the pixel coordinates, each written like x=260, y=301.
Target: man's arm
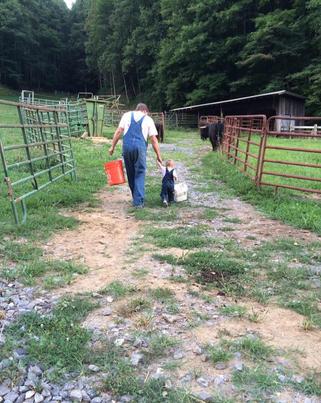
x=155, y=145
x=116, y=138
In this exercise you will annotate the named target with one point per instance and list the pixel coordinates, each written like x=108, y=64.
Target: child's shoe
x=165, y=203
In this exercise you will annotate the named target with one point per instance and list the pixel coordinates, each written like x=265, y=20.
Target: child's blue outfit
x=167, y=193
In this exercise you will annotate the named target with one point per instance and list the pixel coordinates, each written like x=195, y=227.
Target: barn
x=270, y=104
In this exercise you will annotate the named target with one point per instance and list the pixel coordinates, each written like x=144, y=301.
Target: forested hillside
x=173, y=52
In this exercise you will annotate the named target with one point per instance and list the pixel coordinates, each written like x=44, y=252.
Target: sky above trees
x=69, y=3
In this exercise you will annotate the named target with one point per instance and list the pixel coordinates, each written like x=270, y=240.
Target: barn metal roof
x=268, y=94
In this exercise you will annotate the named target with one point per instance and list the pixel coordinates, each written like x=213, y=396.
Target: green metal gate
x=40, y=155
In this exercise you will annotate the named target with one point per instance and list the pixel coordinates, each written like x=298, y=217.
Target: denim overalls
x=134, y=154
x=167, y=193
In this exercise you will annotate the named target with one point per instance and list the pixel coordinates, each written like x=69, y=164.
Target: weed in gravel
x=57, y=340
x=311, y=385
x=19, y=251
x=226, y=229
x=118, y=290
x=305, y=305
x=208, y=267
x=256, y=382
x=232, y=220
x=253, y=347
x=51, y=273
x=172, y=365
x=235, y=311
x=162, y=294
x=170, y=259
x=140, y=273
x=144, y=321
x=160, y=344
x=209, y=214
x=135, y=305
x=218, y=354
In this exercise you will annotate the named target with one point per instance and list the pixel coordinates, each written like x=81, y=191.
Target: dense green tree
x=80, y=78
x=168, y=52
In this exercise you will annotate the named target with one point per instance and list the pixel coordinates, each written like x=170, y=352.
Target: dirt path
x=100, y=242
x=106, y=242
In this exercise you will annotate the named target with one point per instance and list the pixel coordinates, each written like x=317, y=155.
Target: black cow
x=160, y=131
x=213, y=131
x=204, y=132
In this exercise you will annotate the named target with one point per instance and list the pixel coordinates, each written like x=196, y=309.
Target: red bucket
x=115, y=172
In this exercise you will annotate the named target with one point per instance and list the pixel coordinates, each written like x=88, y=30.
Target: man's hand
x=111, y=150
x=159, y=160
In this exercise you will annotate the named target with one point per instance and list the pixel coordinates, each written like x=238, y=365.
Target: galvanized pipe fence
x=76, y=116
x=39, y=154
x=270, y=151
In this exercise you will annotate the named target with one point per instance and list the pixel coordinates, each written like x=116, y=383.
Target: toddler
x=169, y=177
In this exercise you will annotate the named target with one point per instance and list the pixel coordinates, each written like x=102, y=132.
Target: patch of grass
x=311, y=385
x=209, y=214
x=180, y=237
x=218, y=354
x=44, y=215
x=160, y=344
x=123, y=381
x=58, y=340
x=226, y=229
x=51, y=273
x=289, y=207
x=232, y=220
x=167, y=297
x=253, y=347
x=135, y=305
x=208, y=267
x=170, y=259
x=172, y=365
x=162, y=294
x=140, y=273
x=19, y=252
x=256, y=382
x=118, y=290
x=307, y=306
x=235, y=311
x=148, y=214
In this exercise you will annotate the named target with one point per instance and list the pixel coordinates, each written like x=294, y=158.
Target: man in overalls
x=136, y=128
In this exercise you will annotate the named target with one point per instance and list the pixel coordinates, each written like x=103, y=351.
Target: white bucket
x=180, y=192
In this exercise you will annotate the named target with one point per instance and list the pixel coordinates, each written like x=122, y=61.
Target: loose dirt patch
x=100, y=241
x=280, y=328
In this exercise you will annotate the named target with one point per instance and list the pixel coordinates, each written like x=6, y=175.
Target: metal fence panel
x=40, y=155
x=286, y=159
x=240, y=143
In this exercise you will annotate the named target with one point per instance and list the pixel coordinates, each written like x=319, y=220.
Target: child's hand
x=111, y=150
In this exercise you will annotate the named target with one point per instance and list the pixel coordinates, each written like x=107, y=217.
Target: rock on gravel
x=11, y=397
x=136, y=358
x=30, y=394
x=4, y=390
x=93, y=368
x=205, y=396
x=76, y=394
x=39, y=398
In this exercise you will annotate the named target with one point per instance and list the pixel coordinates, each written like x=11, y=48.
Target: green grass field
x=290, y=156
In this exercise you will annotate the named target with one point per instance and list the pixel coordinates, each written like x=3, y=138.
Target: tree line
x=168, y=52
